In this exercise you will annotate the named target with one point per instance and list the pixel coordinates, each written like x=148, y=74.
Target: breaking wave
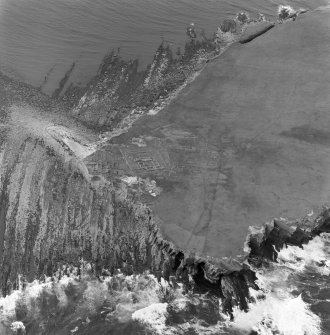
x=75, y=301
x=313, y=257
x=279, y=306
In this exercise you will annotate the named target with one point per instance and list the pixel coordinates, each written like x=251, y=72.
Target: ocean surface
x=40, y=38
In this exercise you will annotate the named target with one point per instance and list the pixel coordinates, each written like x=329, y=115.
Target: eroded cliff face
x=51, y=214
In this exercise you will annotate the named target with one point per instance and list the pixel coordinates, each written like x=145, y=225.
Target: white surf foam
x=118, y=296
x=276, y=310
x=279, y=313
x=285, y=8
x=16, y=326
x=154, y=316
x=313, y=256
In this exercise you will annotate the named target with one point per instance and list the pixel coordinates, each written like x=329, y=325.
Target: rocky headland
x=172, y=194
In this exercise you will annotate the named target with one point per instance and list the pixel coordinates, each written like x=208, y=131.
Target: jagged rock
x=228, y=25
x=299, y=237
x=275, y=237
x=121, y=86
x=279, y=234
x=286, y=13
x=51, y=214
x=322, y=223
x=243, y=17
x=255, y=30
x=235, y=292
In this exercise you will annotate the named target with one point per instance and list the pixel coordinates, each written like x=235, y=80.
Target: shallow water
x=40, y=37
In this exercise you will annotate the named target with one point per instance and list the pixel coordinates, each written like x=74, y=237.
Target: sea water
x=294, y=299
x=42, y=38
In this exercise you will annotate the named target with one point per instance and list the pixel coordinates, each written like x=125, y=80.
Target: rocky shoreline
x=53, y=213
x=120, y=87
x=61, y=218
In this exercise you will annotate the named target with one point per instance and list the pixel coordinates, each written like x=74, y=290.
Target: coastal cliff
x=54, y=214
x=121, y=86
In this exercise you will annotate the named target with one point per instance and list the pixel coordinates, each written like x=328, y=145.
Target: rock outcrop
x=120, y=86
x=265, y=245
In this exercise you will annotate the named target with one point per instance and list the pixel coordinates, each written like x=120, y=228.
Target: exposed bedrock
x=265, y=244
x=228, y=25
x=50, y=214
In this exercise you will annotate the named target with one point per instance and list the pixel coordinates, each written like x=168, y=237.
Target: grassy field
x=245, y=142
